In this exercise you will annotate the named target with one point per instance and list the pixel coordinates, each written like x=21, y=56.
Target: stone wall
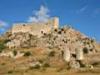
x=36, y=28
x=21, y=27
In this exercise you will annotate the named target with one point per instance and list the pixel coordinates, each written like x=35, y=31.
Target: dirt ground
x=49, y=71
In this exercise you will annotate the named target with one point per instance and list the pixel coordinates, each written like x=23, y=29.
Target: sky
x=83, y=15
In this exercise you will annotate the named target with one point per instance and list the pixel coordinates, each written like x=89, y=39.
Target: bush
x=52, y=53
x=2, y=46
x=46, y=65
x=27, y=54
x=41, y=61
x=96, y=63
x=3, y=64
x=15, y=52
x=7, y=41
x=9, y=72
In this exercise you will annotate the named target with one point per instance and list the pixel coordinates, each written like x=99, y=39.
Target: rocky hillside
x=62, y=48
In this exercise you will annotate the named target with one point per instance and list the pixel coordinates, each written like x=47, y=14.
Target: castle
x=36, y=28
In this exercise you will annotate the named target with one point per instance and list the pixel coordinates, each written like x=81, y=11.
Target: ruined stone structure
x=67, y=55
x=35, y=28
x=62, y=45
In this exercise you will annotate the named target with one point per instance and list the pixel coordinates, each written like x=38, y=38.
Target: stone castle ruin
x=71, y=45
x=35, y=28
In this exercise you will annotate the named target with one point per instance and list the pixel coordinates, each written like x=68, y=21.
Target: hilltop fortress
x=57, y=45
x=36, y=28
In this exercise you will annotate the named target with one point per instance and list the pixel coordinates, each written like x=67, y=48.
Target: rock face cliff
x=63, y=45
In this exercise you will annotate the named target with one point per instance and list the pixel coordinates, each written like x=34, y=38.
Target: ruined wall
x=21, y=27
x=40, y=28
x=56, y=23
x=36, y=28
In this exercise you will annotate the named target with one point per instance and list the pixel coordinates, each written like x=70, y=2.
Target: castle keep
x=36, y=28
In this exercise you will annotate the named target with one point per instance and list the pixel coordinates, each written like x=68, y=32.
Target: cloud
x=95, y=13
x=3, y=26
x=40, y=16
x=82, y=9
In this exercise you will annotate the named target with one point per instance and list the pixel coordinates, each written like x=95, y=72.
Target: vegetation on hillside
x=2, y=45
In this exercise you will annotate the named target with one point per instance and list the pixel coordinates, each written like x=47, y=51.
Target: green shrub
x=46, y=65
x=2, y=46
x=52, y=54
x=15, y=52
x=7, y=41
x=41, y=61
x=9, y=72
x=96, y=63
x=27, y=54
x=37, y=67
x=3, y=64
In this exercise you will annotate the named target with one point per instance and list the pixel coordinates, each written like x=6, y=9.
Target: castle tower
x=56, y=22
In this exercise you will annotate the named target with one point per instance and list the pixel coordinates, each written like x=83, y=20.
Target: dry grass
x=9, y=66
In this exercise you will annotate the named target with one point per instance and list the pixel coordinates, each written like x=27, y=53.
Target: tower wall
x=56, y=22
